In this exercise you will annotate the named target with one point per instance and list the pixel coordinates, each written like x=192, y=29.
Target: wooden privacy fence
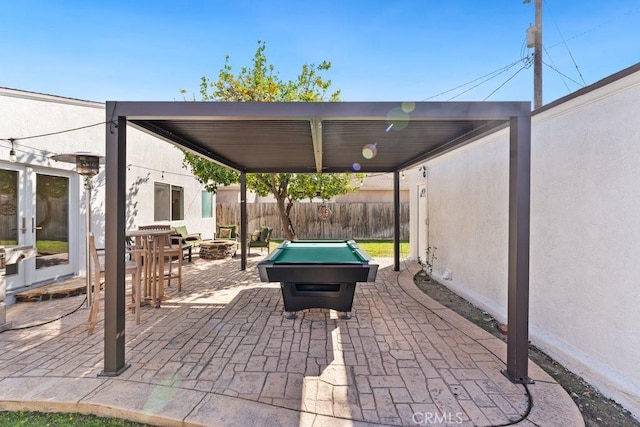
x=344, y=220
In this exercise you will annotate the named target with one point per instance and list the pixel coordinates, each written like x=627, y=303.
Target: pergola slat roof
x=298, y=137
x=321, y=137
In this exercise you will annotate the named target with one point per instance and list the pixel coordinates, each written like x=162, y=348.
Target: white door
x=423, y=221
x=36, y=210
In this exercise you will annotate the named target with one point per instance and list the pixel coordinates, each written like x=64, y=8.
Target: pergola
x=298, y=137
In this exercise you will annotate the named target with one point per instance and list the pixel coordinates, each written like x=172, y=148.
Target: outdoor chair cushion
x=260, y=239
x=189, y=241
x=182, y=231
x=264, y=233
x=233, y=233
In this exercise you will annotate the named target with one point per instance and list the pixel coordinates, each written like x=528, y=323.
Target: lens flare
x=369, y=151
x=398, y=119
x=356, y=167
x=408, y=107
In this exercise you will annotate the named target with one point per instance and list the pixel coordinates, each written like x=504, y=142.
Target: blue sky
x=379, y=50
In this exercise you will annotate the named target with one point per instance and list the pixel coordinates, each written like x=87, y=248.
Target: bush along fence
x=322, y=220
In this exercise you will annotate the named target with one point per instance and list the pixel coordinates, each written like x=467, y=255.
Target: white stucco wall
x=26, y=114
x=585, y=226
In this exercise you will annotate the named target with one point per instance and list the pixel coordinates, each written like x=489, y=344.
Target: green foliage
x=209, y=173
x=51, y=186
x=261, y=83
x=8, y=183
x=429, y=259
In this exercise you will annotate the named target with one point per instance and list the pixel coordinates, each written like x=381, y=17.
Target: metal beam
x=115, y=197
x=168, y=110
x=316, y=137
x=396, y=221
x=518, y=270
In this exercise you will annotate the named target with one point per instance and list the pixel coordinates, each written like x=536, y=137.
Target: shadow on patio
x=221, y=353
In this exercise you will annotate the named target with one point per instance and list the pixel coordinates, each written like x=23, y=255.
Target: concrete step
x=69, y=288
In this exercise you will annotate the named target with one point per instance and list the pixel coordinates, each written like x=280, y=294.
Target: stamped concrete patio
x=220, y=353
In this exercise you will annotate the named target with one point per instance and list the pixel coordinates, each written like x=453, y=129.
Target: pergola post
x=518, y=272
x=115, y=196
x=396, y=221
x=243, y=220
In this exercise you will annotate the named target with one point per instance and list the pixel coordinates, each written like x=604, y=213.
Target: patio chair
x=190, y=241
x=172, y=249
x=260, y=239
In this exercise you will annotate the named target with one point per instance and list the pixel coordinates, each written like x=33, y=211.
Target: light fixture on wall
x=402, y=175
x=423, y=169
x=12, y=153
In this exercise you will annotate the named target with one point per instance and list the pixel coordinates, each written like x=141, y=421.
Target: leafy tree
x=261, y=83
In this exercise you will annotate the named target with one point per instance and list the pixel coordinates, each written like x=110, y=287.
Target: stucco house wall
x=71, y=125
x=585, y=225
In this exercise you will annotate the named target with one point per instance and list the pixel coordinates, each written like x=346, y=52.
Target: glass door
x=49, y=225
x=9, y=213
x=36, y=210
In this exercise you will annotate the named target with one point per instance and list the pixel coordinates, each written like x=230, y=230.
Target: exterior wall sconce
x=423, y=169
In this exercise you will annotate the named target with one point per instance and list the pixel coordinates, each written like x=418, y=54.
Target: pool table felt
x=320, y=252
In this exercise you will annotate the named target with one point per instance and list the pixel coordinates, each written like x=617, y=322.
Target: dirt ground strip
x=597, y=410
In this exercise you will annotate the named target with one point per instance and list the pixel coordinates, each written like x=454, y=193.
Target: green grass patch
x=50, y=247
x=45, y=247
x=41, y=419
x=382, y=248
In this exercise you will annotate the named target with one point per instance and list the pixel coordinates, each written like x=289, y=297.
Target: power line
x=563, y=75
x=506, y=81
x=566, y=45
x=596, y=27
x=499, y=71
x=528, y=61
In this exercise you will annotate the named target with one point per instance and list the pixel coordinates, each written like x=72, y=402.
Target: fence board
x=346, y=220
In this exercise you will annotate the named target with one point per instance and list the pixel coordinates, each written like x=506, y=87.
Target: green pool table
x=318, y=273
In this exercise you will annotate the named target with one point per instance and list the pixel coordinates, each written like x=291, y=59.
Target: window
x=177, y=203
x=168, y=203
x=207, y=204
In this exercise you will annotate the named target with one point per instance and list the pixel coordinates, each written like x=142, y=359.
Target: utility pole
x=534, y=39
x=537, y=59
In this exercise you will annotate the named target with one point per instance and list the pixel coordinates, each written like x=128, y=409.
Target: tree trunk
x=279, y=190
x=287, y=225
